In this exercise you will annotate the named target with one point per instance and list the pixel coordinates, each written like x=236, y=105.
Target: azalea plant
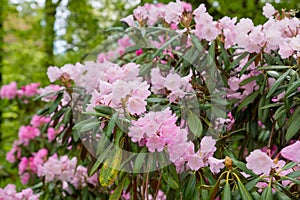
x=184, y=107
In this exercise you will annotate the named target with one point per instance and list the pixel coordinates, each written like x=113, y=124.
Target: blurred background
x=35, y=34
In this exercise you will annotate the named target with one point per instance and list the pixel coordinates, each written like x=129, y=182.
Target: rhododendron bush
x=182, y=107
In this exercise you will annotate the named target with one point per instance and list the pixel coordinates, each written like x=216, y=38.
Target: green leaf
x=116, y=195
x=157, y=100
x=243, y=191
x=196, y=42
x=243, y=167
x=106, y=110
x=166, y=44
x=267, y=194
x=238, y=59
x=277, y=83
x=249, y=99
x=292, y=88
x=293, y=125
x=89, y=126
x=170, y=181
x=140, y=160
x=295, y=174
x=252, y=183
x=250, y=79
x=226, y=192
x=190, y=187
x=289, y=165
x=55, y=103
x=247, y=65
x=194, y=124
x=274, y=67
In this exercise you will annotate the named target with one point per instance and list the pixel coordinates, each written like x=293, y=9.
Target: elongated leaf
x=118, y=191
x=195, y=124
x=267, y=194
x=238, y=59
x=295, y=174
x=277, y=83
x=248, y=64
x=196, y=42
x=274, y=67
x=106, y=110
x=140, y=160
x=55, y=103
x=166, y=44
x=243, y=191
x=289, y=165
x=226, y=192
x=170, y=181
x=109, y=174
x=252, y=183
x=292, y=88
x=249, y=99
x=243, y=167
x=293, y=125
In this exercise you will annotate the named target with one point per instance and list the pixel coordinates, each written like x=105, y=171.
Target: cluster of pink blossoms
x=108, y=83
x=158, y=130
x=276, y=34
x=173, y=82
x=10, y=193
x=29, y=166
x=65, y=170
x=266, y=164
x=11, y=91
x=150, y=14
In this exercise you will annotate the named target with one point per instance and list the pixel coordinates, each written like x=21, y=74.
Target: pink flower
x=51, y=134
x=268, y=10
x=23, y=165
x=259, y=162
x=27, y=133
x=139, y=52
x=37, y=121
x=25, y=178
x=208, y=146
x=215, y=165
x=29, y=90
x=173, y=12
x=292, y=152
x=48, y=91
x=136, y=105
x=195, y=162
x=9, y=91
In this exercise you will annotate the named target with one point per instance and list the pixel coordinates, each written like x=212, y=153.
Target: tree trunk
x=2, y=3
x=49, y=33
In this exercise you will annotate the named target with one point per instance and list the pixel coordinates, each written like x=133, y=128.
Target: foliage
x=187, y=108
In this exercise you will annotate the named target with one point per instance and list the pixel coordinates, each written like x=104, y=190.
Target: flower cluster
x=158, y=130
x=65, y=170
x=10, y=193
x=266, y=164
x=173, y=84
x=30, y=165
x=11, y=91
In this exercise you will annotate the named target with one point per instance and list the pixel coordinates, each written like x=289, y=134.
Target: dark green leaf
x=116, y=195
x=277, y=83
x=249, y=99
x=226, y=192
x=267, y=194
x=243, y=191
